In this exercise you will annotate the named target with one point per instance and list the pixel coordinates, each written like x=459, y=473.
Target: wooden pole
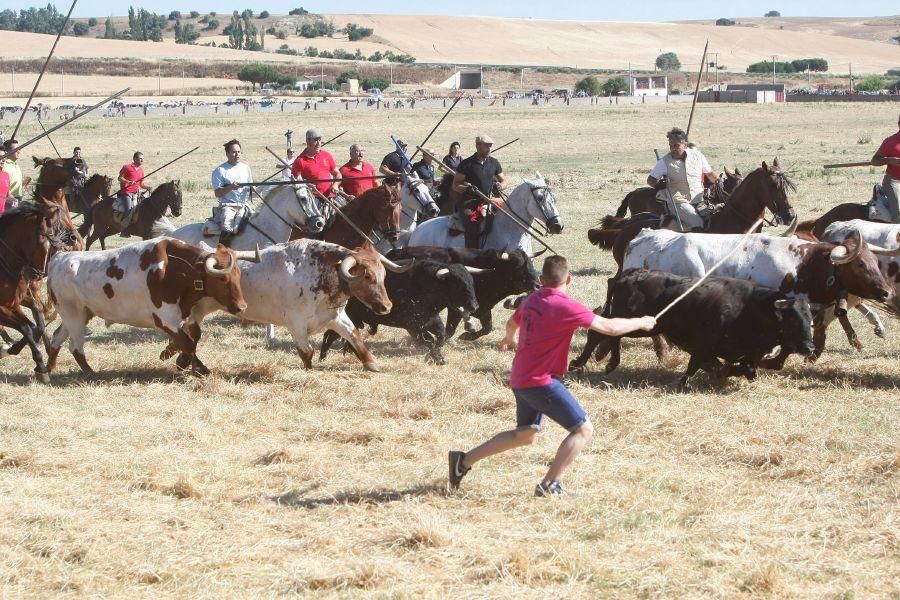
x=696, y=91
x=867, y=163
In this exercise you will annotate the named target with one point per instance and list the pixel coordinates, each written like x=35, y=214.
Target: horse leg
x=16, y=319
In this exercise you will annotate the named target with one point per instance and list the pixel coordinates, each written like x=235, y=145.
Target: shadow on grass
x=844, y=375
x=592, y=272
x=298, y=499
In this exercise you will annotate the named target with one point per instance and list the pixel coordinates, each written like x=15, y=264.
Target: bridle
x=414, y=186
x=307, y=211
x=540, y=201
x=784, y=184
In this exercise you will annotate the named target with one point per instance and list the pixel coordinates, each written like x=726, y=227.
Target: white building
x=648, y=85
x=303, y=84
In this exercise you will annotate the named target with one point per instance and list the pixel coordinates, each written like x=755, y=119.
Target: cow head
x=363, y=272
x=222, y=281
x=516, y=269
x=457, y=286
x=857, y=269
x=794, y=325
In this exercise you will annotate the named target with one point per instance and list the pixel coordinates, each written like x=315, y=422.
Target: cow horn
x=477, y=271
x=536, y=254
x=248, y=255
x=348, y=263
x=442, y=273
x=397, y=267
x=791, y=229
x=840, y=255
x=212, y=269
x=884, y=251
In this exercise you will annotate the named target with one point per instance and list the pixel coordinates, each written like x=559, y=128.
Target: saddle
x=230, y=220
x=878, y=208
x=123, y=217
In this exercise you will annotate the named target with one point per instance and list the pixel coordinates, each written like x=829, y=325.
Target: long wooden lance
x=687, y=132
x=158, y=169
x=324, y=198
x=74, y=117
x=515, y=219
x=44, y=129
x=495, y=150
x=868, y=163
x=332, y=139
x=428, y=137
x=44, y=68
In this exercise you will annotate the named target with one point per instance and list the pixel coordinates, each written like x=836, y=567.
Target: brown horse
x=29, y=236
x=842, y=212
x=57, y=177
x=82, y=198
x=149, y=222
x=643, y=199
x=376, y=208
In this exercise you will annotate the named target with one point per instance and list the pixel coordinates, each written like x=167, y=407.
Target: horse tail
x=623, y=207
x=85, y=228
x=603, y=238
x=613, y=222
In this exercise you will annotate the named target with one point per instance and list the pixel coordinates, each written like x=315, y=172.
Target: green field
x=266, y=479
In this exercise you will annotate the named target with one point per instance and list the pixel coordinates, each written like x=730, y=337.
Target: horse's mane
x=94, y=177
x=153, y=204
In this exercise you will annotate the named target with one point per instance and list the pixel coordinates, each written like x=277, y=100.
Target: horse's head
x=731, y=180
x=774, y=187
x=541, y=203
x=415, y=195
x=175, y=199
x=386, y=209
x=57, y=174
x=303, y=210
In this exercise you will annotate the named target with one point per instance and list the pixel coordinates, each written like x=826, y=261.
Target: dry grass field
x=265, y=479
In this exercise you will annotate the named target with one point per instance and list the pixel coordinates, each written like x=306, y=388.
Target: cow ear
x=784, y=303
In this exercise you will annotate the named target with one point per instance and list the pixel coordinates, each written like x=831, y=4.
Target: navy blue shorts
x=553, y=400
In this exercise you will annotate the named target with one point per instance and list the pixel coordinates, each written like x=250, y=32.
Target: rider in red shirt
x=131, y=182
x=889, y=155
x=356, y=168
x=315, y=163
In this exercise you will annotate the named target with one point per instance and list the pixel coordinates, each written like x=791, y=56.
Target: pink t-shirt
x=4, y=189
x=547, y=320
x=890, y=147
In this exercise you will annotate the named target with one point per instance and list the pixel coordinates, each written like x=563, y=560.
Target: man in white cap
x=481, y=172
x=317, y=165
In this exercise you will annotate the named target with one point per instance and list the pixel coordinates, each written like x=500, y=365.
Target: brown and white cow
x=820, y=272
x=151, y=284
x=304, y=286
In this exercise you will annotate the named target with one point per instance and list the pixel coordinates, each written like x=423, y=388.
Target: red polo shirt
x=321, y=166
x=358, y=186
x=133, y=174
x=890, y=147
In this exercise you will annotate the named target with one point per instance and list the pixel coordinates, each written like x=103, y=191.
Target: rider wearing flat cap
x=481, y=172
x=682, y=171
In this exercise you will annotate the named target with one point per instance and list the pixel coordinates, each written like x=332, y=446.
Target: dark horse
x=764, y=188
x=57, y=176
x=82, y=198
x=101, y=221
x=643, y=199
x=842, y=212
x=29, y=235
x=378, y=207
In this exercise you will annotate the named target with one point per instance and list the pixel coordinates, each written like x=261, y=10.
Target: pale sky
x=596, y=10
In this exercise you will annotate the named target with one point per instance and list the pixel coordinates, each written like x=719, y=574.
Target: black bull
x=734, y=320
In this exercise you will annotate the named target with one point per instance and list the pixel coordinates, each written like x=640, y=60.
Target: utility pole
x=522, y=79
x=774, y=58
x=159, y=78
x=851, y=78
x=62, y=80
x=392, y=72
x=716, y=54
x=808, y=75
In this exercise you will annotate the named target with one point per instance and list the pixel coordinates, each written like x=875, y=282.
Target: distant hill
x=866, y=43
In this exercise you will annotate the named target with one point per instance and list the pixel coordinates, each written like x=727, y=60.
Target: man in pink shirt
x=889, y=155
x=548, y=319
x=4, y=184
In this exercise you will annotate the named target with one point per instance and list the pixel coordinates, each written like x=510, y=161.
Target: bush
x=299, y=11
x=813, y=64
x=326, y=54
x=212, y=24
x=212, y=13
x=194, y=14
x=766, y=67
x=174, y=15
x=347, y=76
x=615, y=85
x=355, y=32
x=724, y=22
x=317, y=28
x=92, y=21
x=264, y=14
x=311, y=51
x=281, y=35
x=379, y=83
x=589, y=85
x=375, y=57
x=872, y=83
x=80, y=29
x=772, y=13
x=668, y=61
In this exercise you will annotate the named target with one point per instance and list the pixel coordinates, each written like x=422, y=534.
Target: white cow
x=304, y=286
x=152, y=284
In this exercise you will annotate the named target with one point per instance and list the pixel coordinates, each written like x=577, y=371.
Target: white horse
x=283, y=208
x=531, y=201
x=416, y=205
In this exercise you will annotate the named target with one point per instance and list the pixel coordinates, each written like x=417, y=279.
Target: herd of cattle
x=774, y=297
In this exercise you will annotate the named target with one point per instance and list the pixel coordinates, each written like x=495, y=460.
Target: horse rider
x=393, y=164
x=481, y=172
x=14, y=171
x=425, y=170
x=316, y=163
x=285, y=165
x=131, y=182
x=888, y=155
x=679, y=175
x=233, y=198
x=453, y=158
x=359, y=175
x=79, y=161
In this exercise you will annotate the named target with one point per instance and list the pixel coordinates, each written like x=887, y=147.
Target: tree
x=185, y=34
x=174, y=15
x=375, y=83
x=772, y=13
x=298, y=12
x=347, y=76
x=589, y=85
x=235, y=32
x=766, y=67
x=724, y=22
x=311, y=51
x=668, y=61
x=212, y=24
x=194, y=14
x=615, y=85
x=92, y=22
x=109, y=32
x=80, y=29
x=355, y=32
x=264, y=14
x=258, y=73
x=872, y=83
x=813, y=64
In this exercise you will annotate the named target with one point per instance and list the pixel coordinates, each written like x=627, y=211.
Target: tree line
x=819, y=65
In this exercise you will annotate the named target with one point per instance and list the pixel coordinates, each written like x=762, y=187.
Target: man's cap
x=313, y=134
x=483, y=138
